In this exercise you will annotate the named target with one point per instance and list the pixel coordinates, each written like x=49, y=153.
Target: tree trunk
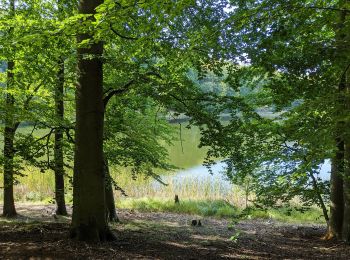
x=344, y=38
x=89, y=222
x=9, y=209
x=110, y=203
x=346, y=193
x=336, y=190
x=59, y=159
x=339, y=164
x=319, y=197
x=346, y=176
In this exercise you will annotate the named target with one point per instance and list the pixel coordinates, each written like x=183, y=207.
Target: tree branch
x=30, y=97
x=122, y=36
x=115, y=92
x=344, y=73
x=111, y=93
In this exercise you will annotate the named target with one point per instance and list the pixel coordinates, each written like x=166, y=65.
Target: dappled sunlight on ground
x=163, y=236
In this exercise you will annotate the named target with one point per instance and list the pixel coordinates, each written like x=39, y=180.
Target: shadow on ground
x=38, y=234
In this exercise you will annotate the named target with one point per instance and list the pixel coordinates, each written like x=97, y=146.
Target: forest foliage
x=194, y=59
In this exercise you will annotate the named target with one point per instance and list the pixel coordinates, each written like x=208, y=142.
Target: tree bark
x=345, y=37
x=339, y=163
x=336, y=193
x=346, y=195
x=89, y=222
x=110, y=203
x=59, y=158
x=9, y=209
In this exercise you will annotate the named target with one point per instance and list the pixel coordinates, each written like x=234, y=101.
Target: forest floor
x=38, y=234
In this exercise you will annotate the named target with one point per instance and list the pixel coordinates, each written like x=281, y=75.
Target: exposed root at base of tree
x=329, y=236
x=9, y=215
x=86, y=234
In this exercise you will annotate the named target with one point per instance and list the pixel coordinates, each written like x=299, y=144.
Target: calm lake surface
x=187, y=156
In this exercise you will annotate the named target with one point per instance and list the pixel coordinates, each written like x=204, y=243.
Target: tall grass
x=38, y=186
x=216, y=208
x=205, y=189
x=33, y=186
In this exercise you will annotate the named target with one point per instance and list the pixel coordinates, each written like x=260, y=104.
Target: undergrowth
x=221, y=209
x=217, y=208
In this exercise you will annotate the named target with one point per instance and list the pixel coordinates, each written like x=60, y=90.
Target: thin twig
x=182, y=147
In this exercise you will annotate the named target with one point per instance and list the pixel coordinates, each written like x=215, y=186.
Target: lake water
x=200, y=172
x=189, y=157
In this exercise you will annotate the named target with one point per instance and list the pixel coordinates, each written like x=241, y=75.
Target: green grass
x=312, y=215
x=220, y=209
x=217, y=208
x=38, y=187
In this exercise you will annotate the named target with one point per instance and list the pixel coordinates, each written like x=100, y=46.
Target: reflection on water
x=189, y=157
x=219, y=182
x=185, y=152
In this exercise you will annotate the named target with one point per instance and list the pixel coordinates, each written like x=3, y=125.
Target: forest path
x=38, y=234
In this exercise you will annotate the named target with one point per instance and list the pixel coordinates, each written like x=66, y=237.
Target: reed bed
x=36, y=186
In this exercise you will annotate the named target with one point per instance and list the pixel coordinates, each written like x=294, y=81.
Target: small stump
x=177, y=199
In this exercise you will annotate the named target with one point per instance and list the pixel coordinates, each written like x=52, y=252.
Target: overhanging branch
x=115, y=92
x=122, y=36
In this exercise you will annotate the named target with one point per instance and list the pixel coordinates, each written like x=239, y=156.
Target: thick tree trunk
x=9, y=209
x=343, y=35
x=346, y=194
x=89, y=222
x=336, y=193
x=346, y=176
x=110, y=203
x=59, y=159
x=339, y=163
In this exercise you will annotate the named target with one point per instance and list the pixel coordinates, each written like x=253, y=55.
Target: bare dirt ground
x=38, y=234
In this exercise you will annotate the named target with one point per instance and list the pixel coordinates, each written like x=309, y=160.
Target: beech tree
x=89, y=211
x=9, y=134
x=149, y=38
x=61, y=10
x=23, y=83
